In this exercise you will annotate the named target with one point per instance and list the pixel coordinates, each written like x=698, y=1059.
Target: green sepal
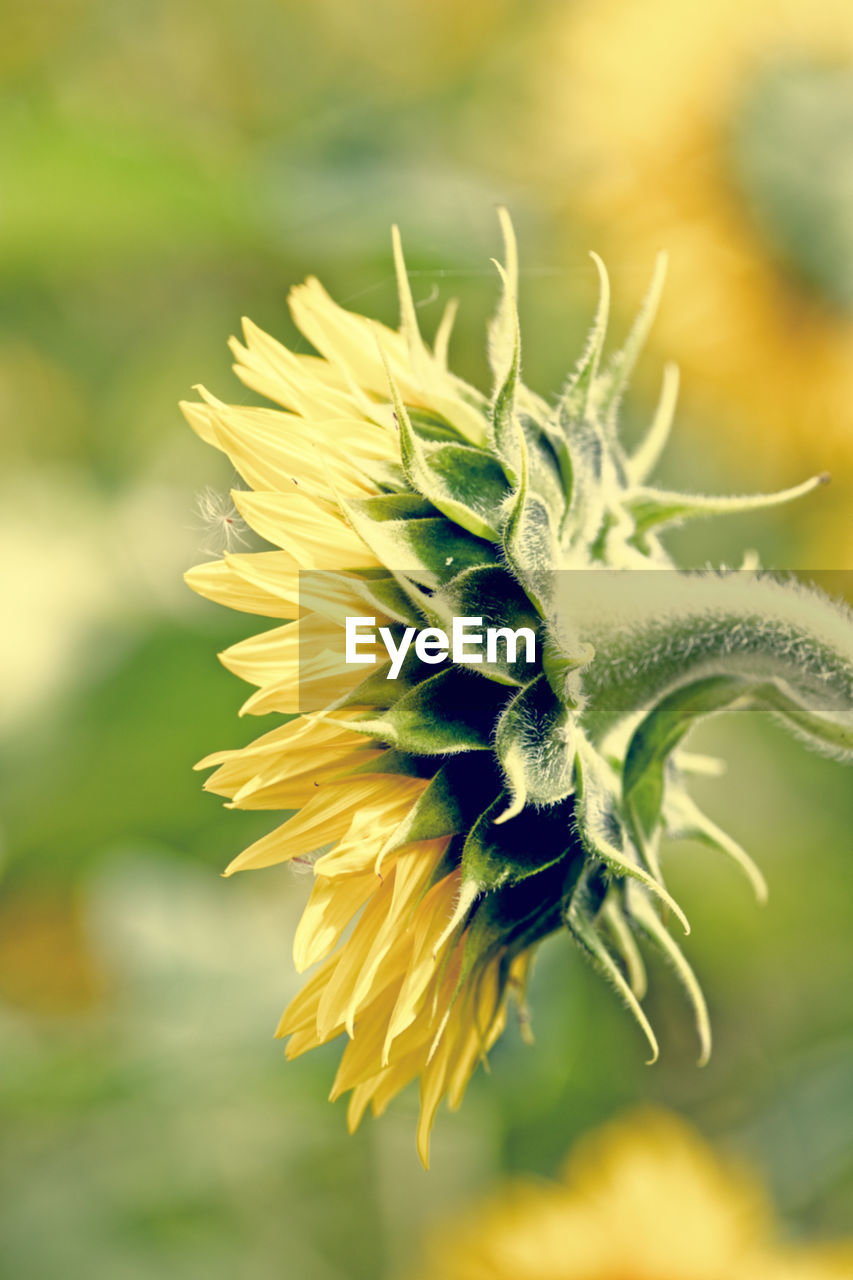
x=577, y=396
x=529, y=541
x=684, y=820
x=646, y=918
x=497, y=854
x=388, y=476
x=458, y=793
x=559, y=447
x=587, y=507
x=835, y=735
x=378, y=690
x=491, y=593
x=447, y=713
x=601, y=828
x=431, y=426
x=535, y=746
x=503, y=327
x=391, y=506
x=518, y=915
x=505, y=426
x=510, y=920
x=387, y=594
x=580, y=922
x=621, y=364
x=465, y=483
x=430, y=544
x=613, y=918
x=399, y=763
x=549, y=464
x=420, y=357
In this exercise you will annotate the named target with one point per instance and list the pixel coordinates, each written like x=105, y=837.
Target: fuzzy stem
x=659, y=631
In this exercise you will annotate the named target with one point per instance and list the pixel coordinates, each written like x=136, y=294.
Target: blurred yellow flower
x=648, y=104
x=642, y=1199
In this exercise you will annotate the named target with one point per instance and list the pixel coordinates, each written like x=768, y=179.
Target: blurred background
x=172, y=165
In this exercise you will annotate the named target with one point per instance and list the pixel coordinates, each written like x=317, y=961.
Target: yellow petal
x=300, y=525
x=427, y=927
x=201, y=419
x=432, y=1090
x=219, y=581
x=412, y=872
x=348, y=340
x=296, y=387
x=294, y=791
x=300, y=1016
x=301, y=736
x=324, y=820
x=275, y=451
x=327, y=913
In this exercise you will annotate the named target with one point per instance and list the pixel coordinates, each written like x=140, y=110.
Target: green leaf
x=658, y=508
x=660, y=733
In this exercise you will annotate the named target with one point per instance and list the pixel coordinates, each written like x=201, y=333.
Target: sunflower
x=643, y=1199
x=723, y=132
x=457, y=814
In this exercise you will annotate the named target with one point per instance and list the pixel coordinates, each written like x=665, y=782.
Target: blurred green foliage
x=167, y=167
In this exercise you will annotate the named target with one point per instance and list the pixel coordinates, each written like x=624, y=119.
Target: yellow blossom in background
x=723, y=133
x=642, y=1199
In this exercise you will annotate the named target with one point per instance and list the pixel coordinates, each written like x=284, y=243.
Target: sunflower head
x=460, y=805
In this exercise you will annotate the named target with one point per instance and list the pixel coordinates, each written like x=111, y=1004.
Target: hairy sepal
x=534, y=741
x=447, y=713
